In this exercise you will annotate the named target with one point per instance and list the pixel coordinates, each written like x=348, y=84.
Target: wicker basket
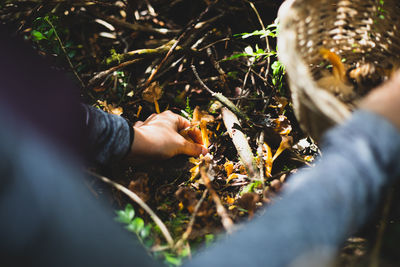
x=363, y=34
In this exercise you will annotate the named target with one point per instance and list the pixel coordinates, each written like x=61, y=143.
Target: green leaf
x=235, y=56
x=170, y=259
x=38, y=35
x=250, y=187
x=209, y=238
x=121, y=217
x=185, y=252
x=136, y=225
x=50, y=33
x=277, y=68
x=125, y=216
x=129, y=211
x=71, y=53
x=145, y=232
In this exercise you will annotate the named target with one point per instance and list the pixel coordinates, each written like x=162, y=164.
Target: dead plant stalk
x=226, y=221
x=239, y=139
x=141, y=203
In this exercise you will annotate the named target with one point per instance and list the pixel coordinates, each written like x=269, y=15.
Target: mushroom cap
x=153, y=92
x=201, y=116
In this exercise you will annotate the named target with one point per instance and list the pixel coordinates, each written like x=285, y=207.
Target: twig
x=221, y=98
x=142, y=52
x=141, y=203
x=214, y=43
x=188, y=28
x=266, y=37
x=192, y=220
x=244, y=92
x=132, y=26
x=65, y=52
x=260, y=156
x=104, y=73
x=232, y=125
x=226, y=221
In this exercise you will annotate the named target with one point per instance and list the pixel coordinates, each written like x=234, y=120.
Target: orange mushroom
x=202, y=118
x=285, y=143
x=152, y=94
x=338, y=82
x=228, y=167
x=269, y=159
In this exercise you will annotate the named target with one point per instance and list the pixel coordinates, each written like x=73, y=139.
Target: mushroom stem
x=204, y=133
x=268, y=160
x=285, y=143
x=156, y=106
x=338, y=68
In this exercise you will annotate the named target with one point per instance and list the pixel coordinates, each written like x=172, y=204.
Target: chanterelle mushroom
x=152, y=94
x=202, y=118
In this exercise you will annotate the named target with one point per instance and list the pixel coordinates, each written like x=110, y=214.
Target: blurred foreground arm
x=322, y=206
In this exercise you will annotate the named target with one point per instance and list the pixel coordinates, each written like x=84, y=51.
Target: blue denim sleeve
x=320, y=206
x=109, y=136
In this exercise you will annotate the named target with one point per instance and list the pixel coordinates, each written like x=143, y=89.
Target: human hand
x=158, y=138
x=385, y=100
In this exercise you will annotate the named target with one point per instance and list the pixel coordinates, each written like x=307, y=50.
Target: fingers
x=138, y=123
x=182, y=122
x=151, y=117
x=195, y=135
x=192, y=149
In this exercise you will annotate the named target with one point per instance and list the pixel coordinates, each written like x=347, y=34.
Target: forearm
x=109, y=136
x=321, y=206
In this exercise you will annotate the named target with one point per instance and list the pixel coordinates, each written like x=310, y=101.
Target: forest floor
x=135, y=58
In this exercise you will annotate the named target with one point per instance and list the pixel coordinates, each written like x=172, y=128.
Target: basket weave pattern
x=364, y=34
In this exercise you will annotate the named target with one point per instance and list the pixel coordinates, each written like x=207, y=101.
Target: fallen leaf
x=248, y=202
x=187, y=198
x=282, y=125
x=152, y=94
x=111, y=108
x=140, y=186
x=230, y=200
x=228, y=167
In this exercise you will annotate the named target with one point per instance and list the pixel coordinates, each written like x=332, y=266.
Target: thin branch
x=266, y=37
x=188, y=28
x=142, y=52
x=141, y=203
x=221, y=98
x=260, y=156
x=65, y=52
x=191, y=222
x=226, y=221
x=105, y=73
x=132, y=26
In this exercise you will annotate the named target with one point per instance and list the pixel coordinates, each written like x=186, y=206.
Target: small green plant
x=135, y=225
x=254, y=54
x=278, y=72
x=271, y=31
x=188, y=109
x=146, y=233
x=114, y=57
x=46, y=34
x=120, y=83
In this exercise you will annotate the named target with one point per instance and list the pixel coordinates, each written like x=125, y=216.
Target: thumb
x=192, y=149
